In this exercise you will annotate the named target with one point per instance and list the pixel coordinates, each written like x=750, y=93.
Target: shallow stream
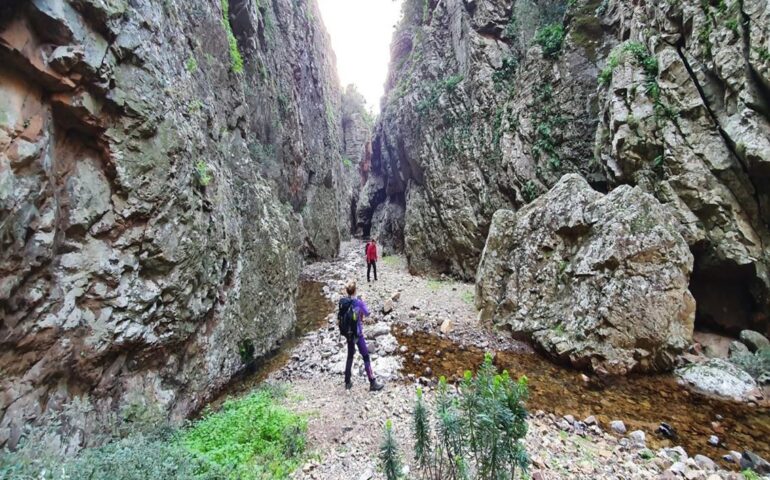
x=641, y=402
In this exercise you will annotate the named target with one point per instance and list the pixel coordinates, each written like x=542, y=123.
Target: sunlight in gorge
x=361, y=32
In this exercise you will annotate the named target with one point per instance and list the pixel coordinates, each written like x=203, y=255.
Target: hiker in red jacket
x=371, y=259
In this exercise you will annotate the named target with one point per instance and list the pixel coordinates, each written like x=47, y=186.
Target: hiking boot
x=374, y=386
x=348, y=385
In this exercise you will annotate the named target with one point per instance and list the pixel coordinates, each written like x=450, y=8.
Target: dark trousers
x=354, y=340
x=369, y=266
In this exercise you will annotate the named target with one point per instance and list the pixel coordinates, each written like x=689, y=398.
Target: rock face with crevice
x=598, y=281
x=163, y=167
x=490, y=103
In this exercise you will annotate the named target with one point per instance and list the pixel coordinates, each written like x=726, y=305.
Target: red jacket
x=371, y=252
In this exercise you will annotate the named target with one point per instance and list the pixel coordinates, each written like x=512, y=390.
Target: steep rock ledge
x=163, y=165
x=490, y=103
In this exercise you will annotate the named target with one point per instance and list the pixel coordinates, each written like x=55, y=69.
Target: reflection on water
x=642, y=402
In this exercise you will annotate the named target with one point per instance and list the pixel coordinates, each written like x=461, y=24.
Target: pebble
x=638, y=438
x=590, y=420
x=714, y=441
x=618, y=426
x=366, y=475
x=678, y=468
x=569, y=418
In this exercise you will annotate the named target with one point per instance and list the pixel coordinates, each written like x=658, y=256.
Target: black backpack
x=346, y=317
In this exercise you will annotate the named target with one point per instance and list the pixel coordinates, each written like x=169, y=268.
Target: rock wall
x=491, y=102
x=163, y=166
x=356, y=147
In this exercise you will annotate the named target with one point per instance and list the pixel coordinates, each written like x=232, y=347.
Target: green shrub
x=478, y=433
x=639, y=52
x=550, y=38
x=202, y=171
x=750, y=474
x=390, y=460
x=252, y=438
x=236, y=60
x=191, y=64
x=137, y=457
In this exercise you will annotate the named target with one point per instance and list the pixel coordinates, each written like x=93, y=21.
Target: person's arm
x=362, y=308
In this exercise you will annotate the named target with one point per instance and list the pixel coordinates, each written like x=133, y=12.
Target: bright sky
x=361, y=31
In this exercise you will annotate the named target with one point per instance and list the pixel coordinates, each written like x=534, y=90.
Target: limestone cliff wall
x=491, y=102
x=164, y=165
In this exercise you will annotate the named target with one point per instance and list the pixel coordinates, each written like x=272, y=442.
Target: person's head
x=374, y=240
x=350, y=287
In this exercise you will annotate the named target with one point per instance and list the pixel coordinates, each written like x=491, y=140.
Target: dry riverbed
x=431, y=329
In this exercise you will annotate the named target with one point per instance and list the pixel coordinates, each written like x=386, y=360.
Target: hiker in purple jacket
x=357, y=338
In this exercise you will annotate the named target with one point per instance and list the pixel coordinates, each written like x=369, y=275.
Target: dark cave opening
x=723, y=295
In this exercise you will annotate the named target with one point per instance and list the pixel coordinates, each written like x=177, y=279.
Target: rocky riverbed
x=580, y=427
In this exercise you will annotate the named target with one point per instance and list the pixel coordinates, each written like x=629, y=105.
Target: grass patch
x=391, y=260
x=191, y=64
x=435, y=285
x=469, y=297
x=250, y=438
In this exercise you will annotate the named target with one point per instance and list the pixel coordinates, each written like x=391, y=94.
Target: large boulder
x=599, y=281
x=720, y=378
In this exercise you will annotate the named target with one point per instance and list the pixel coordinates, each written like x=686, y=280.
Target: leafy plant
x=550, y=38
x=202, y=171
x=436, y=89
x=750, y=474
x=477, y=432
x=236, y=60
x=251, y=438
x=191, y=64
x=764, y=53
x=389, y=456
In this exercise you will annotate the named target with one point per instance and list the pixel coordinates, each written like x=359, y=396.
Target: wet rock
x=750, y=460
x=611, y=259
x=732, y=457
x=754, y=340
x=737, y=348
x=618, y=426
x=719, y=377
x=666, y=430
